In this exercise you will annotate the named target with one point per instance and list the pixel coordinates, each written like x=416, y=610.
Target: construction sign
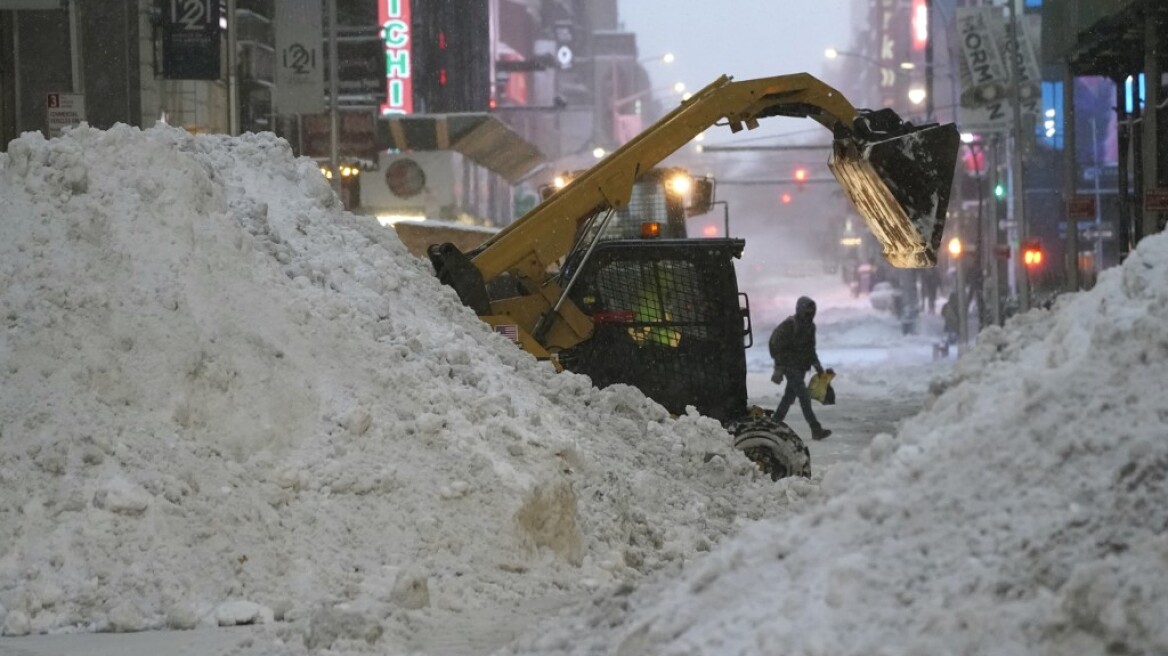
x=63, y=110
x=1156, y=200
x=1081, y=207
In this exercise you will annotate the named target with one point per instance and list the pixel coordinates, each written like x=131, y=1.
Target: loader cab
x=667, y=196
x=669, y=320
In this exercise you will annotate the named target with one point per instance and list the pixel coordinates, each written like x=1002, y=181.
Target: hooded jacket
x=792, y=344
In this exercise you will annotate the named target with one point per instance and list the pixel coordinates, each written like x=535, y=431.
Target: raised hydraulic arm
x=545, y=233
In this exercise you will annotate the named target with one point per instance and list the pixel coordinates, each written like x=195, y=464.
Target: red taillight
x=1032, y=253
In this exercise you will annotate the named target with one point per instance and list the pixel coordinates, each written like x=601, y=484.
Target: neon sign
x=394, y=18
x=920, y=24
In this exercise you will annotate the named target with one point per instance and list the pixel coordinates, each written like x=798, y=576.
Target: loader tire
x=771, y=445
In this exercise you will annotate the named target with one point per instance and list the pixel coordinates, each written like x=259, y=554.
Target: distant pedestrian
x=930, y=285
x=865, y=274
x=951, y=313
x=792, y=345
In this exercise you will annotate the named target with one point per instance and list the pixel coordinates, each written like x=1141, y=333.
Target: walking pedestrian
x=792, y=345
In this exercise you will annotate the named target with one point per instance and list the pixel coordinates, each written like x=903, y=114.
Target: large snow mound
x=1021, y=513
x=226, y=400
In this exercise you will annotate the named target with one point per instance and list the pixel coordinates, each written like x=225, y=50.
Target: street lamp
x=887, y=73
x=917, y=95
x=666, y=58
x=832, y=53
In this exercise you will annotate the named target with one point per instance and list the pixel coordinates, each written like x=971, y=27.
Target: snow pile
x=227, y=401
x=1021, y=513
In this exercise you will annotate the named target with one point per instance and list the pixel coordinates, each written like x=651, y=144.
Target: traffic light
x=998, y=205
x=450, y=56
x=785, y=198
x=1032, y=253
x=801, y=178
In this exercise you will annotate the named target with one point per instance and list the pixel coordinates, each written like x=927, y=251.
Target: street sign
x=1081, y=207
x=564, y=56
x=64, y=110
x=1098, y=233
x=1090, y=230
x=1156, y=200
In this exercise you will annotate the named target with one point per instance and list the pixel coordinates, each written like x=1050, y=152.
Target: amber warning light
x=1032, y=254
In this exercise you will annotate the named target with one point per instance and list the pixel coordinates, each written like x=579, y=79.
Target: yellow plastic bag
x=820, y=385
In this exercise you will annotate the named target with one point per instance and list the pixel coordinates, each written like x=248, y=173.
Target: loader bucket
x=899, y=182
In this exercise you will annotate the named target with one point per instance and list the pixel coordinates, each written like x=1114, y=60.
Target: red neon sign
x=920, y=24
x=394, y=18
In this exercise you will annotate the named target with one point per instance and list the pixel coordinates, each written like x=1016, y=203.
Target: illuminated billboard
x=394, y=18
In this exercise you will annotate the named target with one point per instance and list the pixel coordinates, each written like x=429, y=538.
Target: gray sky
x=741, y=38
x=750, y=39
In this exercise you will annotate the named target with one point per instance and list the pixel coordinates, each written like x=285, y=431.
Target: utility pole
x=232, y=71
x=75, y=48
x=17, y=96
x=1151, y=132
x=334, y=117
x=1098, y=197
x=753, y=149
x=991, y=228
x=929, y=104
x=1017, y=184
x=1071, y=178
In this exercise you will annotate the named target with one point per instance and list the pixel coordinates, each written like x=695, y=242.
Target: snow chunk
x=240, y=612
x=122, y=496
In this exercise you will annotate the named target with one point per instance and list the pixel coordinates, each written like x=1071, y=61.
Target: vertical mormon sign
x=394, y=18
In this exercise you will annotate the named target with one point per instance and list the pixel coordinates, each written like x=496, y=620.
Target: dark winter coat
x=792, y=344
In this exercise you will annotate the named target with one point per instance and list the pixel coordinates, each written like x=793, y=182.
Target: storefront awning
x=481, y=137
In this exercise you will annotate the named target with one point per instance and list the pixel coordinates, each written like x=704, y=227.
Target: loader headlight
x=559, y=182
x=680, y=184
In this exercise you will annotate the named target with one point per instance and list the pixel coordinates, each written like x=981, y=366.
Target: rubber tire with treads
x=774, y=447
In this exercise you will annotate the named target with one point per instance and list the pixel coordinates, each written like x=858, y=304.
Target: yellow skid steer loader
x=664, y=313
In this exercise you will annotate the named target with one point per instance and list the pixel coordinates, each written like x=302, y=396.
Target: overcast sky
x=744, y=38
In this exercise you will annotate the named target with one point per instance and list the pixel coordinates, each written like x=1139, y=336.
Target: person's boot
x=819, y=433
